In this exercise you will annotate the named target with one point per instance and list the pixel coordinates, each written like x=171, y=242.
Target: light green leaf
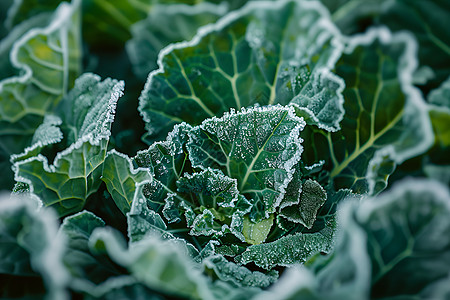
x=29, y=251
x=265, y=53
x=288, y=250
x=382, y=110
x=256, y=233
x=87, y=113
x=48, y=60
x=259, y=147
x=121, y=178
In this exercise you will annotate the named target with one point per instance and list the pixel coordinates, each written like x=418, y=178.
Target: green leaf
x=167, y=160
x=423, y=18
x=259, y=147
x=48, y=60
x=407, y=230
x=237, y=275
x=312, y=197
x=172, y=272
x=121, y=178
x=261, y=54
x=166, y=24
x=211, y=203
x=288, y=250
x=86, y=268
x=394, y=245
x=29, y=251
x=441, y=95
x=382, y=111
x=87, y=113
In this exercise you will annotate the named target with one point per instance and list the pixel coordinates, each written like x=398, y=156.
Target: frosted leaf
x=48, y=132
x=257, y=146
x=241, y=276
x=30, y=248
x=383, y=112
x=121, y=179
x=288, y=250
x=265, y=53
x=86, y=113
x=46, y=53
x=312, y=197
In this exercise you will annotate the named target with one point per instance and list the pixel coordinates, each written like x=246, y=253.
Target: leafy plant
x=279, y=137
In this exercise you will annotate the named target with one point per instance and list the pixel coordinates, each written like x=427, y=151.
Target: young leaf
x=261, y=54
x=312, y=197
x=87, y=113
